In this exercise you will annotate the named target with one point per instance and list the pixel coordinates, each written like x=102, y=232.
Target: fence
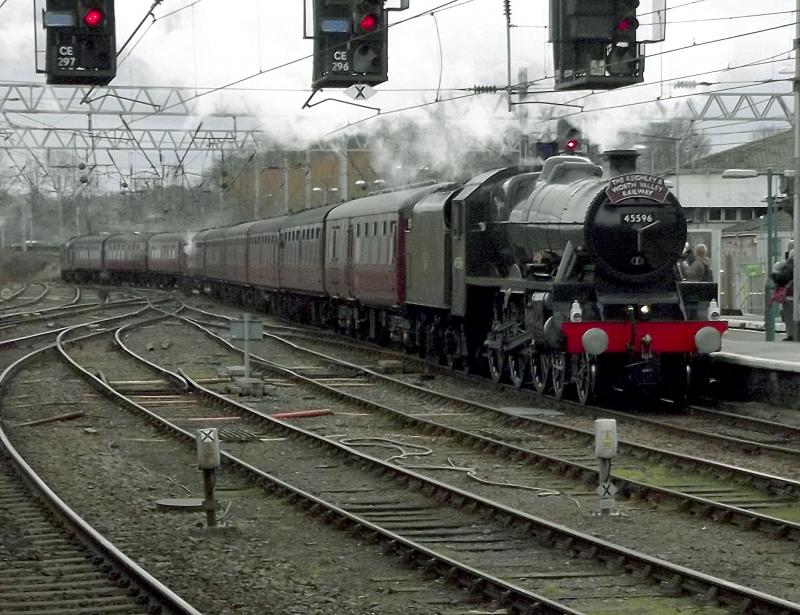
x=742, y=286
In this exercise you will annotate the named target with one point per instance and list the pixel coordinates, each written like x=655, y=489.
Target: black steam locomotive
x=563, y=277
x=555, y=277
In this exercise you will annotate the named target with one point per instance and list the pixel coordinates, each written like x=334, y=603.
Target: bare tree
x=669, y=144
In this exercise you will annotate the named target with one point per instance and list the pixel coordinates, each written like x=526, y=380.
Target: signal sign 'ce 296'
x=341, y=61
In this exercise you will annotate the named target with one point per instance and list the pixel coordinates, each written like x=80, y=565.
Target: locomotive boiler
x=586, y=289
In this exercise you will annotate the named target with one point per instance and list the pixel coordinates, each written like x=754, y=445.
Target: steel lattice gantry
x=746, y=107
x=147, y=139
x=129, y=101
x=140, y=102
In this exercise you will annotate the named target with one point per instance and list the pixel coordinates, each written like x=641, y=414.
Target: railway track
x=757, y=433
x=754, y=499
x=30, y=294
x=8, y=318
x=782, y=495
x=56, y=294
x=29, y=332
x=113, y=485
x=708, y=489
x=12, y=294
x=166, y=409
x=734, y=432
x=52, y=560
x=750, y=435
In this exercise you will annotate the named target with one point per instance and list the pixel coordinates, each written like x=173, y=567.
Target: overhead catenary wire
x=665, y=52
x=771, y=59
x=149, y=13
x=441, y=7
x=753, y=63
x=441, y=56
x=728, y=18
x=450, y=5
x=296, y=60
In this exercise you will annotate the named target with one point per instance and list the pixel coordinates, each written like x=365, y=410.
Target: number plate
x=340, y=61
x=639, y=218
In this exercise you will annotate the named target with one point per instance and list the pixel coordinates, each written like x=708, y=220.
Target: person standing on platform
x=783, y=274
x=699, y=270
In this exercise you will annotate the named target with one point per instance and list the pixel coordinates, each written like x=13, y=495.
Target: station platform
x=754, y=350
x=750, y=368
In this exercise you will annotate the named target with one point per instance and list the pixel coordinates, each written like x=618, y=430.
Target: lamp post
x=324, y=191
x=677, y=141
x=641, y=147
x=772, y=243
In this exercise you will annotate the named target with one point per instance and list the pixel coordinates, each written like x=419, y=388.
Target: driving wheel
x=540, y=371
x=518, y=369
x=497, y=364
x=586, y=378
x=558, y=373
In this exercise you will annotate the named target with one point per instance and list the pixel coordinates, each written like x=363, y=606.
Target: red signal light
x=626, y=24
x=93, y=18
x=572, y=145
x=368, y=23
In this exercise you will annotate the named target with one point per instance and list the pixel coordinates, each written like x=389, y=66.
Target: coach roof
x=388, y=202
x=307, y=216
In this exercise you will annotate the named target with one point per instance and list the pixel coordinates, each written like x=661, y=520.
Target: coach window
x=746, y=213
x=373, y=245
x=714, y=214
x=392, y=230
x=730, y=214
x=458, y=219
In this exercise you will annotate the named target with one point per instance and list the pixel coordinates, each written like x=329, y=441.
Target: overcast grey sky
x=211, y=43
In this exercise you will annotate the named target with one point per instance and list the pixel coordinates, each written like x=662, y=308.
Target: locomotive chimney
x=620, y=161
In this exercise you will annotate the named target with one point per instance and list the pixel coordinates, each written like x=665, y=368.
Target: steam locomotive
x=556, y=277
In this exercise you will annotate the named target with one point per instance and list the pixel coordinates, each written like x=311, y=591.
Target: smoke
x=188, y=244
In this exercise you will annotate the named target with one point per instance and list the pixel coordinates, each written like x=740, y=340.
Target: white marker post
x=248, y=330
x=605, y=449
x=208, y=460
x=246, y=345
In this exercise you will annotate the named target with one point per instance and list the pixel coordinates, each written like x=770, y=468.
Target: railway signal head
x=81, y=42
x=370, y=41
x=546, y=149
x=333, y=26
x=622, y=59
x=595, y=44
x=350, y=43
x=625, y=21
x=368, y=23
x=93, y=17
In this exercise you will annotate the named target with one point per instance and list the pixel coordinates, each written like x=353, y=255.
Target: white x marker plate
x=360, y=91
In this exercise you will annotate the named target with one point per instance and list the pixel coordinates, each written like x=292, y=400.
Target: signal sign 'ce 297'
x=66, y=57
x=81, y=42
